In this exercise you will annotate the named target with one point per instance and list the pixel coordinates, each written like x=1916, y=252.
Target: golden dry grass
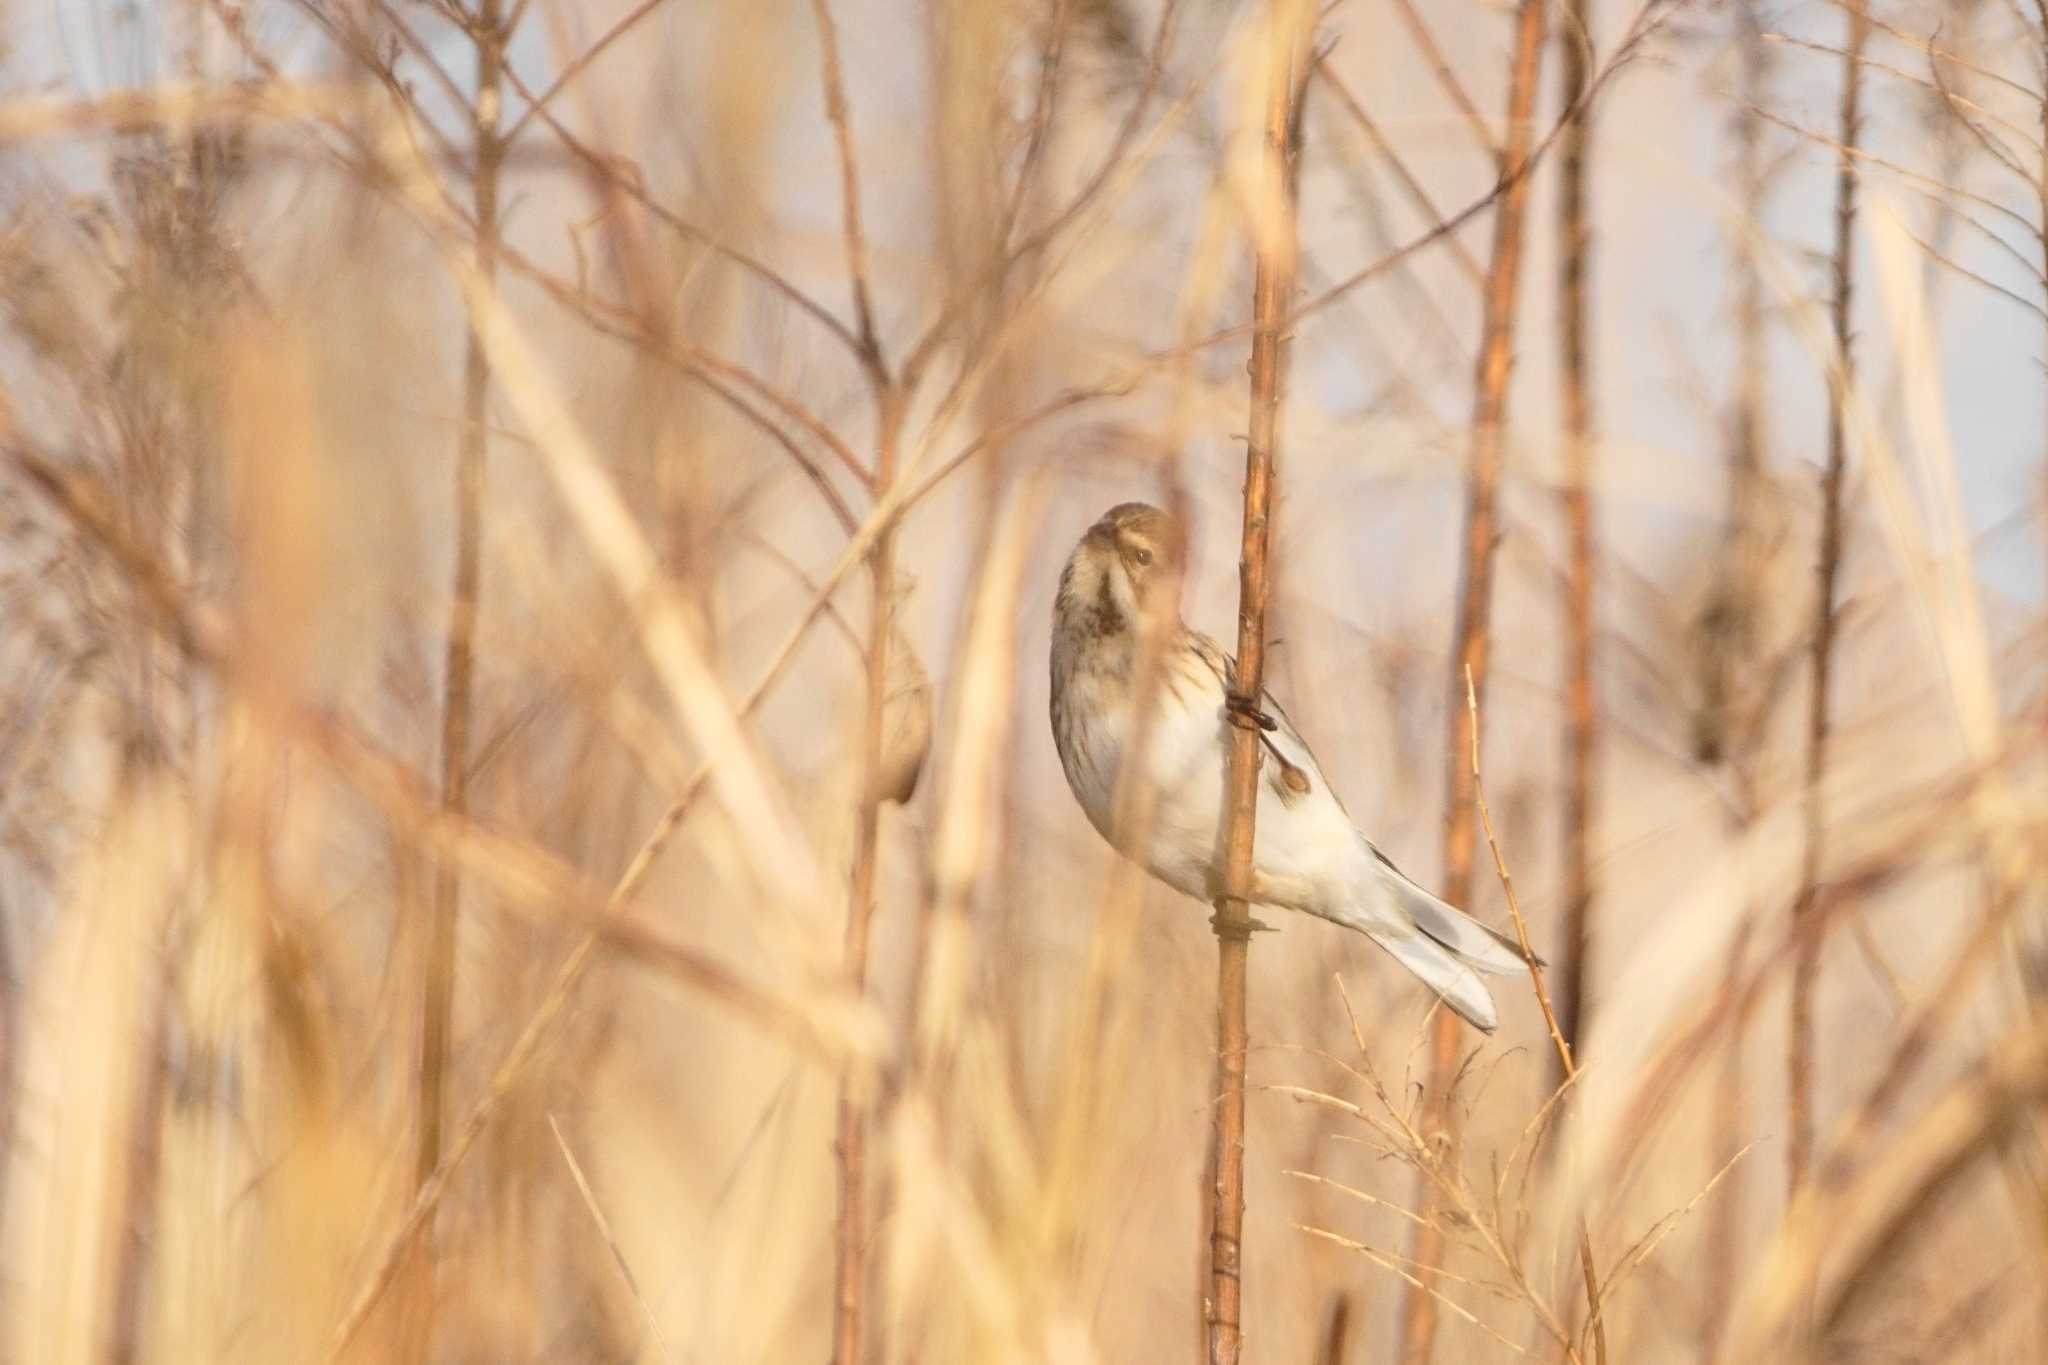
x=728, y=434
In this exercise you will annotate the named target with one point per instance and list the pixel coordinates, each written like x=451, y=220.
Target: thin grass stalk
x=140, y=1196
x=1559, y=1039
x=1806, y=968
x=438, y=994
x=1581, y=739
x=1274, y=239
x=850, y=1232
x=1470, y=645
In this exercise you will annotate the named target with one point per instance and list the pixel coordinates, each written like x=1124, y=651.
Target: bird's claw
x=1234, y=927
x=1245, y=712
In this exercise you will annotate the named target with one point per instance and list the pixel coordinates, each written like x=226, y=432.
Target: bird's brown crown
x=1142, y=535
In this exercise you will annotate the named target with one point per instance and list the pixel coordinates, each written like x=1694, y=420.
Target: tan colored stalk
x=1273, y=227
x=1470, y=647
x=1559, y=1038
x=1581, y=739
x=850, y=1232
x=850, y=1272
x=1806, y=969
x=438, y=989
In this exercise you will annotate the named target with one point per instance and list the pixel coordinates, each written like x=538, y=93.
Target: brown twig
x=1560, y=1039
x=851, y=1233
x=437, y=1001
x=1806, y=970
x=536, y=105
x=1043, y=106
x=1649, y=18
x=611, y=1241
x=1453, y=88
x=851, y=1230
x=849, y=194
x=1417, y=193
x=1581, y=738
x=933, y=339
x=623, y=177
x=1471, y=641
x=708, y=368
x=460, y=660
x=1273, y=236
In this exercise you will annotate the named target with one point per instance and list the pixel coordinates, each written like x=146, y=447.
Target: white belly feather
x=1305, y=845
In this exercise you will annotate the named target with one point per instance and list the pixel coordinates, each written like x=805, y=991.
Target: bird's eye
x=1142, y=555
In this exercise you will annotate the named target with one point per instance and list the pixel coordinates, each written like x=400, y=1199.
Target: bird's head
x=1127, y=568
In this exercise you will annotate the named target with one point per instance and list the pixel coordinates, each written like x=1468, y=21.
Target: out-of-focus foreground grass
x=258, y=288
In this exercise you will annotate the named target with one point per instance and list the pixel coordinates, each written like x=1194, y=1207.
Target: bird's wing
x=1295, y=772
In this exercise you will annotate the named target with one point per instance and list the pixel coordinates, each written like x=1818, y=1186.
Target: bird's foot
x=1245, y=713
x=1233, y=927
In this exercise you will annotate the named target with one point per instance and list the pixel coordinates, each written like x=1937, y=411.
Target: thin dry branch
x=1921, y=44
x=459, y=661
x=1806, y=970
x=1388, y=1262
x=1649, y=18
x=1417, y=193
x=1581, y=737
x=536, y=105
x=1954, y=101
x=1447, y=80
x=1043, y=106
x=1595, y=1325
x=932, y=341
x=1495, y=365
x=849, y=194
x=1864, y=156
x=850, y=1234
x=1947, y=262
x=622, y=177
x=1273, y=226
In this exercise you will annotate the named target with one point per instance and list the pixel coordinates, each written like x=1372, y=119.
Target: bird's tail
x=1442, y=945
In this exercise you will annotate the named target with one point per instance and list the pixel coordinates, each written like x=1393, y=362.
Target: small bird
x=1120, y=590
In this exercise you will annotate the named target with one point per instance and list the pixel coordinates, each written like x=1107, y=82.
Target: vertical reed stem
x=850, y=1273
x=850, y=1234
x=438, y=996
x=1273, y=228
x=1806, y=968
x=1469, y=650
x=1574, y=324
